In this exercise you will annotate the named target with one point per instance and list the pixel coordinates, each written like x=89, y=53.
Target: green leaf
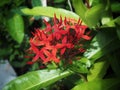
x=80, y=66
x=93, y=15
x=80, y=8
x=36, y=80
x=5, y=51
x=107, y=15
x=116, y=21
x=115, y=7
x=98, y=70
x=99, y=84
x=36, y=3
x=58, y=1
x=49, y=11
x=94, y=2
x=89, y=16
x=102, y=44
x=118, y=27
x=16, y=27
x=115, y=62
x=17, y=2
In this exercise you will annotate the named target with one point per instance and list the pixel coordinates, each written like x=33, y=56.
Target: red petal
x=63, y=32
x=56, y=60
x=46, y=52
x=82, y=50
x=62, y=51
x=60, y=22
x=36, y=58
x=54, y=51
x=69, y=45
x=65, y=21
x=83, y=27
x=30, y=63
x=55, y=19
x=59, y=46
x=86, y=37
x=48, y=28
x=64, y=40
x=35, y=50
x=58, y=36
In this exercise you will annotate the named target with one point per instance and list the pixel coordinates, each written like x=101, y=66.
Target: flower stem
x=83, y=77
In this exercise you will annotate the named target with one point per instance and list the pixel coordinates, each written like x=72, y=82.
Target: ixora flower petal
x=59, y=41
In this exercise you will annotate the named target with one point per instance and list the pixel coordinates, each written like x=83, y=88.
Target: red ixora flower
x=60, y=41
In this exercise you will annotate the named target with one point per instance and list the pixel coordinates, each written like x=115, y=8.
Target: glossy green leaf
x=36, y=80
x=116, y=21
x=94, y=2
x=107, y=15
x=49, y=11
x=98, y=70
x=93, y=15
x=80, y=8
x=99, y=84
x=89, y=16
x=15, y=26
x=107, y=19
x=104, y=42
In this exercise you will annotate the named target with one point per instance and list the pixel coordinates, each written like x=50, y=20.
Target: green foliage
x=3, y=2
x=36, y=80
x=80, y=66
x=15, y=26
x=99, y=84
x=115, y=62
x=93, y=15
x=98, y=70
x=92, y=69
x=102, y=44
x=36, y=3
x=80, y=8
x=90, y=16
x=115, y=7
x=44, y=11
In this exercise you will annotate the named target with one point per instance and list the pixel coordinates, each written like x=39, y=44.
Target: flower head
x=62, y=41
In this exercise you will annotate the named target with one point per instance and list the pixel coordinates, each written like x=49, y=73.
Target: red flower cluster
x=62, y=41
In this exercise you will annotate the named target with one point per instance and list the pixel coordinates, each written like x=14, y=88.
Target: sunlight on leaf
x=49, y=11
x=93, y=15
x=36, y=80
x=98, y=70
x=99, y=84
x=80, y=8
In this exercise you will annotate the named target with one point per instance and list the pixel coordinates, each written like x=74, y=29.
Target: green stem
x=83, y=77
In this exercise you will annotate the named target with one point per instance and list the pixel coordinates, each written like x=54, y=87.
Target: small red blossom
x=62, y=41
x=30, y=63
